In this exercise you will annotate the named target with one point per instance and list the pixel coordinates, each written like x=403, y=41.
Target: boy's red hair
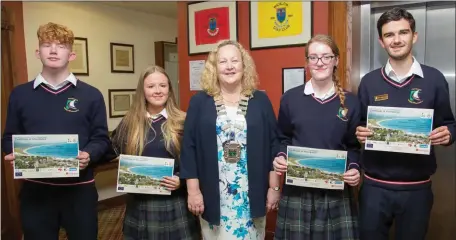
x=52, y=32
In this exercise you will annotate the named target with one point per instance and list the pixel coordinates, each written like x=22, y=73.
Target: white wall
x=100, y=24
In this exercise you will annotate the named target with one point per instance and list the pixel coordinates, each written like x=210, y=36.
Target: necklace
x=231, y=148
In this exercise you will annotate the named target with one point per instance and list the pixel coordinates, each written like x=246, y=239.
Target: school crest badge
x=281, y=14
x=71, y=105
x=342, y=114
x=414, y=96
x=281, y=22
x=213, y=29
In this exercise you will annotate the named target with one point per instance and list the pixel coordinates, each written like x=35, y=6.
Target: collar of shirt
x=414, y=69
x=308, y=90
x=163, y=113
x=40, y=79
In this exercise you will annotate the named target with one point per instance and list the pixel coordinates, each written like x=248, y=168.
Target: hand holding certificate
x=146, y=175
x=404, y=130
x=84, y=160
x=45, y=156
x=440, y=136
x=316, y=168
x=171, y=183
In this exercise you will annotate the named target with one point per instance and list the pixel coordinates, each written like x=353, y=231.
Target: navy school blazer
x=199, y=157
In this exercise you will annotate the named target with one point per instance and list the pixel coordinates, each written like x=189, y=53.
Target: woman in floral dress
x=229, y=144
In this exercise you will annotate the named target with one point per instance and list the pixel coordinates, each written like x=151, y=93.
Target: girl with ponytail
x=319, y=114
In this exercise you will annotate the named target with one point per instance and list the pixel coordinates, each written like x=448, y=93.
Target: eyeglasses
x=324, y=59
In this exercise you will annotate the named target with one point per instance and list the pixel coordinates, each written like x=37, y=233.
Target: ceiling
x=167, y=9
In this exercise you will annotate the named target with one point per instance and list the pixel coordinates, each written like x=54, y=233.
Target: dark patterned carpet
x=109, y=224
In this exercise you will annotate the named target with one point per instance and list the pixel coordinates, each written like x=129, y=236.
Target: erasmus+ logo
x=70, y=105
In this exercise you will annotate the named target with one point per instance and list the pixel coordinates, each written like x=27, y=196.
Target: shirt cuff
x=282, y=154
x=353, y=165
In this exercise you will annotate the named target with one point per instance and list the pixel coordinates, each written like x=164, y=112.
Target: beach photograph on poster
x=45, y=156
x=139, y=174
x=404, y=130
x=316, y=168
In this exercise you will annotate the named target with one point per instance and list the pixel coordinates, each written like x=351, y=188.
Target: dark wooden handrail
x=113, y=164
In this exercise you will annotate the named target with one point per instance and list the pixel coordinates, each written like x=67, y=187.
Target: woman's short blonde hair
x=209, y=80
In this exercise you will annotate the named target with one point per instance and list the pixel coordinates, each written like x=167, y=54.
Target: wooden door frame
x=14, y=72
x=159, y=47
x=339, y=31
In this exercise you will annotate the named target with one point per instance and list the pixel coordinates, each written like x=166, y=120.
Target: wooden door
x=166, y=57
x=10, y=202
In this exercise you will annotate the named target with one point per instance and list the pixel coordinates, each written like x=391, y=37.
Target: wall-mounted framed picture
x=120, y=101
x=122, y=58
x=280, y=24
x=209, y=23
x=292, y=77
x=80, y=65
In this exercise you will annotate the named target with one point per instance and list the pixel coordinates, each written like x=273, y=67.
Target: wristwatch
x=275, y=188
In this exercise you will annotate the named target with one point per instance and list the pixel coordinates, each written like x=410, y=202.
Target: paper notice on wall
x=292, y=77
x=196, y=70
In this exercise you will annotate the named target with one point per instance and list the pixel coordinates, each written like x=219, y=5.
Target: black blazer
x=199, y=151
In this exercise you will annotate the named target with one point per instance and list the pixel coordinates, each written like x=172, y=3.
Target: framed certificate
x=292, y=77
x=80, y=65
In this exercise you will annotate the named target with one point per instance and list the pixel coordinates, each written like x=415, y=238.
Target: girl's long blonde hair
x=133, y=130
x=209, y=79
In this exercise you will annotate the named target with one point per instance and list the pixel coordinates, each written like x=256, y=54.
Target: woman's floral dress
x=235, y=220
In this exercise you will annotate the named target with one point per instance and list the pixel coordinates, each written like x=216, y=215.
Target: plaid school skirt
x=153, y=217
x=309, y=213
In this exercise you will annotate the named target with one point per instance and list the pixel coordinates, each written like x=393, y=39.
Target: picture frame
x=122, y=58
x=280, y=24
x=80, y=65
x=292, y=77
x=209, y=23
x=120, y=101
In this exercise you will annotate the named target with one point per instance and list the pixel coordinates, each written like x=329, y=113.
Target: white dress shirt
x=40, y=79
x=162, y=112
x=309, y=90
x=414, y=69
